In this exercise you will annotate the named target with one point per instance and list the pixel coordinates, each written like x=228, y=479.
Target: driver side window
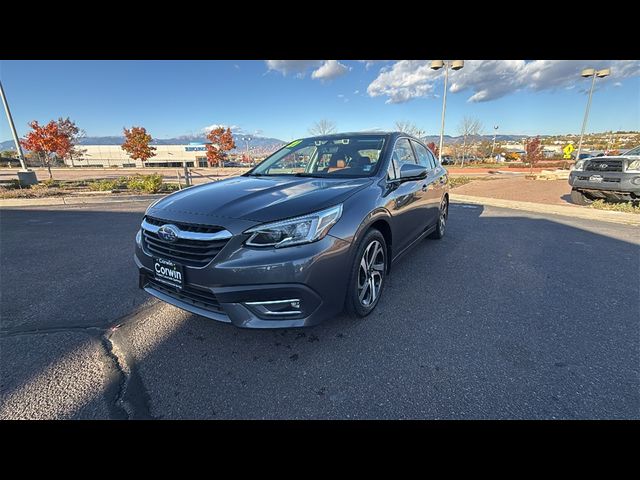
x=402, y=153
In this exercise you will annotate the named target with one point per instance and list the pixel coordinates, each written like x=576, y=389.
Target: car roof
x=373, y=133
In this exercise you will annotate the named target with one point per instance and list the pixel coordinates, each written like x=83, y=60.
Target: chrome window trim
x=221, y=235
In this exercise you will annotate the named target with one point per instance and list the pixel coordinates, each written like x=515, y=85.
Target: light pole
x=587, y=73
x=495, y=133
x=25, y=176
x=247, y=140
x=437, y=65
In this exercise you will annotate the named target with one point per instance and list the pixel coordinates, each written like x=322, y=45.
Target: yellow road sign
x=567, y=151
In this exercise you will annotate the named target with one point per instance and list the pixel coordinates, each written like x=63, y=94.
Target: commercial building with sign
x=165, y=156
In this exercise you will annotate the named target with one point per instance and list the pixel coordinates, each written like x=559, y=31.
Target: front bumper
x=617, y=184
x=240, y=278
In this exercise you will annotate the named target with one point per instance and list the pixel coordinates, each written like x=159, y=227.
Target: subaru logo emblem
x=603, y=166
x=168, y=233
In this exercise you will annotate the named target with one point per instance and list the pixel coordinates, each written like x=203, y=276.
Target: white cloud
x=322, y=69
x=329, y=70
x=617, y=84
x=403, y=81
x=356, y=92
x=367, y=63
x=234, y=128
x=292, y=66
x=489, y=79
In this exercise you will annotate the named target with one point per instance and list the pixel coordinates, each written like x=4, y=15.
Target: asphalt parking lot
x=511, y=315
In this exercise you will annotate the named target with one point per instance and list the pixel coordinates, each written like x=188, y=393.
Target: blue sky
x=283, y=98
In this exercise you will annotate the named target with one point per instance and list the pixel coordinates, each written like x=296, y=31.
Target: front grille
x=193, y=253
x=197, y=297
x=605, y=179
x=185, y=227
x=604, y=165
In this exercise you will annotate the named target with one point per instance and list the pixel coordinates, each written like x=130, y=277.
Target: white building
x=194, y=155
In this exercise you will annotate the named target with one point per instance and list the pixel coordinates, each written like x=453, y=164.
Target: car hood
x=259, y=199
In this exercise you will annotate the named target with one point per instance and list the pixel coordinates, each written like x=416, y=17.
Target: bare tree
x=323, y=127
x=470, y=128
x=410, y=128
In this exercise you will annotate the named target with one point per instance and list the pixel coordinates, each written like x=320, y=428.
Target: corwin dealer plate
x=168, y=272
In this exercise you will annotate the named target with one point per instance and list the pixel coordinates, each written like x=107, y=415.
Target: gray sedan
x=310, y=231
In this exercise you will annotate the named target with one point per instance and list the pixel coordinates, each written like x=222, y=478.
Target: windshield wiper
x=312, y=175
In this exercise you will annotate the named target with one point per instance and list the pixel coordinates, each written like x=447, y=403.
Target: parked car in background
x=607, y=177
x=232, y=163
x=447, y=160
x=285, y=246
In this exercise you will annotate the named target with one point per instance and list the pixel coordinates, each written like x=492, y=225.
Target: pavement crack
x=116, y=402
x=130, y=399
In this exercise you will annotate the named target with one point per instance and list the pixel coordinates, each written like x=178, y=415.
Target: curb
x=568, y=211
x=76, y=200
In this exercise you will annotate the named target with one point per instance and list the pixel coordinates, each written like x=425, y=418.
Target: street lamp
x=247, y=140
x=437, y=65
x=26, y=176
x=495, y=132
x=587, y=73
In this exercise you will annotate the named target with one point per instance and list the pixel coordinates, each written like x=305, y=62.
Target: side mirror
x=412, y=170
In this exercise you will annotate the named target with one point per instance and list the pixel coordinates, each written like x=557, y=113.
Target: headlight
x=579, y=166
x=295, y=231
x=634, y=166
x=139, y=237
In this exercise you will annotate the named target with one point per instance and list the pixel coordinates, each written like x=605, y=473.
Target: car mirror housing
x=412, y=170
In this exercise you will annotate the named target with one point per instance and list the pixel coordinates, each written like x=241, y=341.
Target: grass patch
x=626, y=207
x=52, y=188
x=458, y=181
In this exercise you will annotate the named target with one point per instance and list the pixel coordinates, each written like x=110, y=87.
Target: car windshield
x=334, y=156
x=633, y=151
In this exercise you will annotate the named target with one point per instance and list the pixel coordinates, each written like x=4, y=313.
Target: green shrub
x=145, y=183
x=458, y=181
x=626, y=207
x=104, y=185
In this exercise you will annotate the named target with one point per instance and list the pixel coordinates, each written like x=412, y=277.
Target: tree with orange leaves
x=534, y=150
x=46, y=141
x=221, y=142
x=433, y=147
x=136, y=144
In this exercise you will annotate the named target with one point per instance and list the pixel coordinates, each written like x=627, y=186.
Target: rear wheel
x=580, y=198
x=443, y=215
x=367, y=275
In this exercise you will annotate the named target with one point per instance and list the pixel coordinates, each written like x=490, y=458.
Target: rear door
x=433, y=192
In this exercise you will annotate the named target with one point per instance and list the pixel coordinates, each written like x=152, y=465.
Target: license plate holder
x=595, y=178
x=168, y=272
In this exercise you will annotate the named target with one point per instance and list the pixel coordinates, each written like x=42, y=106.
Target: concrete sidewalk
x=573, y=211
x=77, y=200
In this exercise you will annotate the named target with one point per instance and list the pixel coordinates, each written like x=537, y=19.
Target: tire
x=443, y=215
x=580, y=198
x=361, y=300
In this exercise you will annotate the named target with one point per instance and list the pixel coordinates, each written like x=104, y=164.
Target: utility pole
x=25, y=176
x=495, y=132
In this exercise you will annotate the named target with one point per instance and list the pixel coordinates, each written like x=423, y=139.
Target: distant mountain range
x=256, y=142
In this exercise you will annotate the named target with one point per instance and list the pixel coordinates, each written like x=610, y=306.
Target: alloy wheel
x=442, y=221
x=371, y=273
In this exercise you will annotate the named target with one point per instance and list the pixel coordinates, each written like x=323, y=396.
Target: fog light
x=636, y=180
x=290, y=306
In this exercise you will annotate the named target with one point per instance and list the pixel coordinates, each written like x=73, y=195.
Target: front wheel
x=367, y=275
x=580, y=198
x=443, y=215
